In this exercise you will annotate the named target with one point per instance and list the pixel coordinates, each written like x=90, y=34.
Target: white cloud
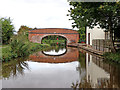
x=37, y=13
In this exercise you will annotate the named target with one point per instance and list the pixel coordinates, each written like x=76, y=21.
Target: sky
x=37, y=13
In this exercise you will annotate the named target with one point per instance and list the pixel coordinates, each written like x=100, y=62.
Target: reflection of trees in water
x=87, y=84
x=112, y=82
x=82, y=59
x=51, y=48
x=112, y=68
x=14, y=67
x=0, y=70
x=82, y=65
x=82, y=84
x=56, y=48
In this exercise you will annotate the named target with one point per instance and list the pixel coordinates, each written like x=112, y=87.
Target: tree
x=117, y=32
x=7, y=29
x=82, y=32
x=24, y=30
x=104, y=14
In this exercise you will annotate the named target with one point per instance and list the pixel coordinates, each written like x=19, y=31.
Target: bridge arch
x=36, y=35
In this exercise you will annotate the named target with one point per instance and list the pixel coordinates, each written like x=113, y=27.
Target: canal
x=60, y=67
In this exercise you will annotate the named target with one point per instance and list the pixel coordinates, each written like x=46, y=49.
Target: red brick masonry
x=72, y=54
x=36, y=35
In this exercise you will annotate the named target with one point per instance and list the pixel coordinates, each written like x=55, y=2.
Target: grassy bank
x=9, y=52
x=115, y=57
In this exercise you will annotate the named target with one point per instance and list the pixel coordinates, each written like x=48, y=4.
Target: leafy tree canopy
x=7, y=29
x=93, y=13
x=24, y=29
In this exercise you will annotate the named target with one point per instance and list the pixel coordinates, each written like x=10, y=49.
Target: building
x=98, y=39
x=95, y=33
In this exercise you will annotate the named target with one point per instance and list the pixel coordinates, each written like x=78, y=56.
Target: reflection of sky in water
x=45, y=75
x=69, y=65
x=53, y=52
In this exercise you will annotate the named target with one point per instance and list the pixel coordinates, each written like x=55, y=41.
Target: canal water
x=60, y=67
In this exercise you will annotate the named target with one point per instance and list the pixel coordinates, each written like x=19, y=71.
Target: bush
x=113, y=57
x=6, y=54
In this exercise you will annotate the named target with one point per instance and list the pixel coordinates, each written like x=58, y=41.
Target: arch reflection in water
x=54, y=53
x=61, y=56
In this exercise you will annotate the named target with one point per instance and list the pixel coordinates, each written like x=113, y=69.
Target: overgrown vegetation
x=115, y=57
x=20, y=49
x=20, y=46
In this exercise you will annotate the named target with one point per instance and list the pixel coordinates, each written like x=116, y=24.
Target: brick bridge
x=72, y=54
x=36, y=35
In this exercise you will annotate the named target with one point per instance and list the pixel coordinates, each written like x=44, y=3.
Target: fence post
x=99, y=45
x=103, y=45
x=96, y=44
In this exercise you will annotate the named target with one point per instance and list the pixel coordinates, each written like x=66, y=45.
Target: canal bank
x=87, y=48
x=109, y=56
